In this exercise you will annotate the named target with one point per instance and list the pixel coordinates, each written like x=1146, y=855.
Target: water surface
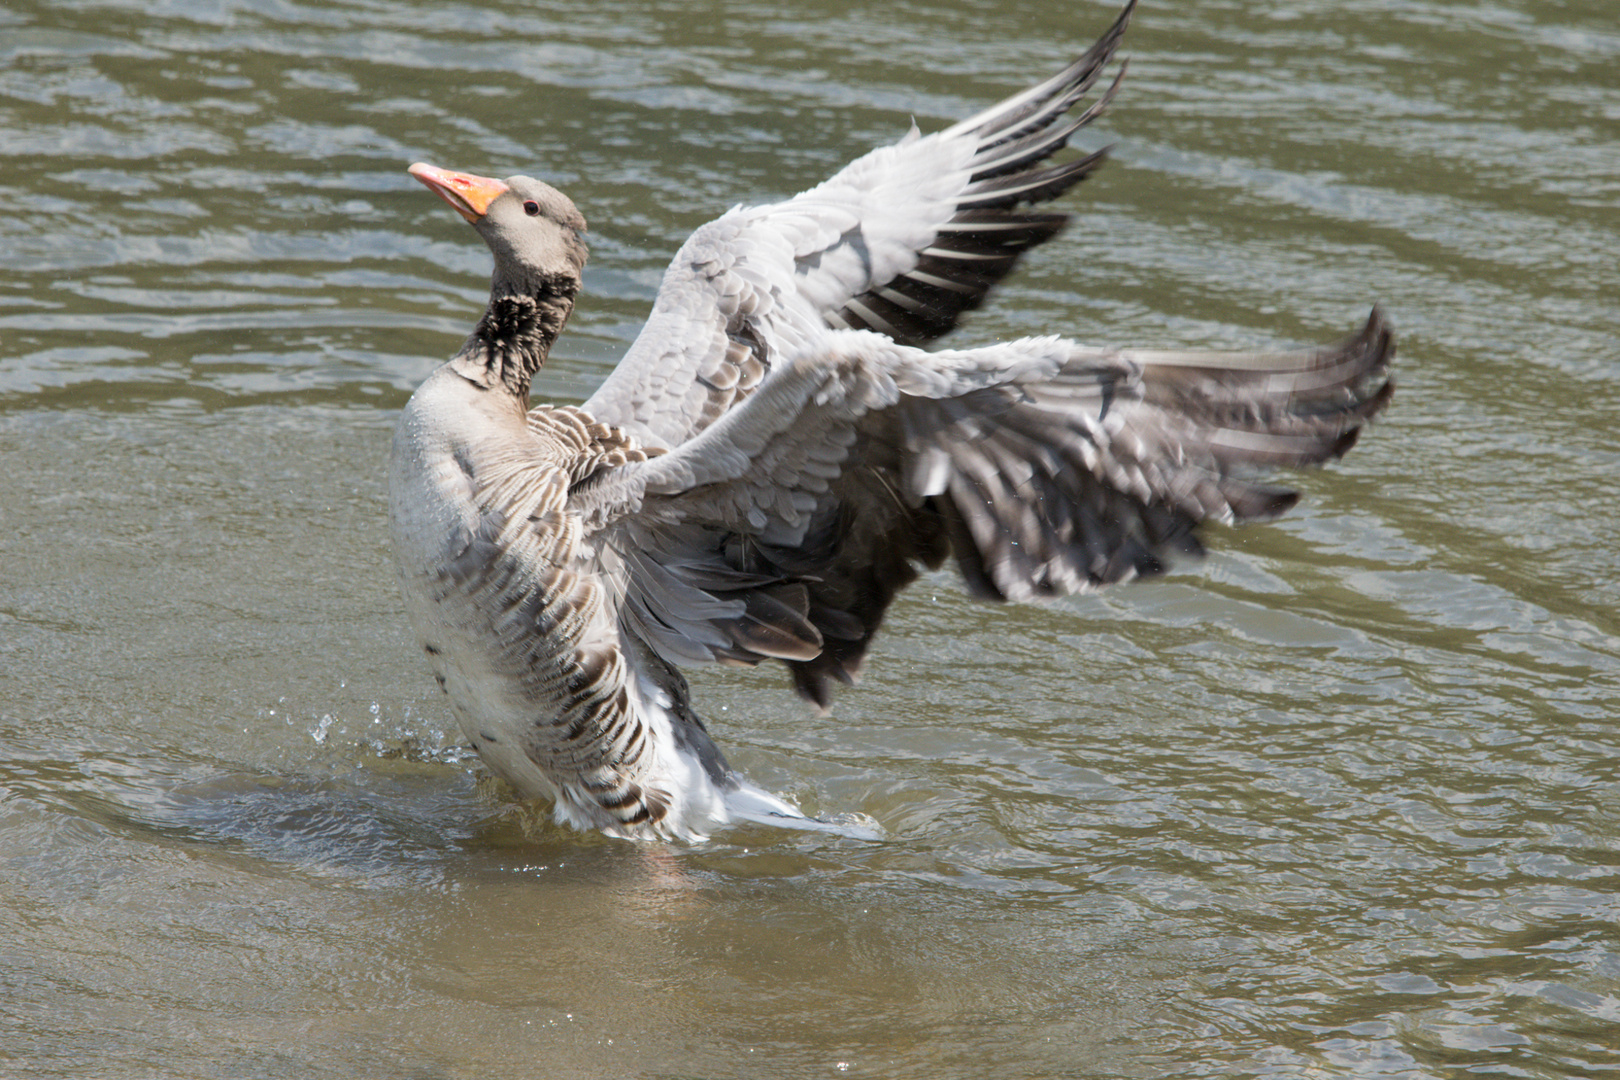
x=1342, y=799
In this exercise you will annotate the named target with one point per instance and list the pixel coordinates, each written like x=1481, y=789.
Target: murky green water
x=1342, y=800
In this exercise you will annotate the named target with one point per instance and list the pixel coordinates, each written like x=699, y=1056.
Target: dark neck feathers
x=515, y=335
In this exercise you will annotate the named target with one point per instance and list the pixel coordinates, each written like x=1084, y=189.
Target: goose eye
x=531, y=207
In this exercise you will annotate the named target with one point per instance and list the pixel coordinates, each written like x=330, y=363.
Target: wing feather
x=1043, y=467
x=902, y=241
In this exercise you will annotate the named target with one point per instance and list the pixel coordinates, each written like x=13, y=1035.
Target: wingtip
x=1111, y=38
x=1069, y=84
x=1378, y=329
x=1125, y=14
x=1377, y=337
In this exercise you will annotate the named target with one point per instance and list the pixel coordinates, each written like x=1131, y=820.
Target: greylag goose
x=776, y=456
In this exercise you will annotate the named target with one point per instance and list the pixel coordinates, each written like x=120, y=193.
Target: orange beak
x=469, y=195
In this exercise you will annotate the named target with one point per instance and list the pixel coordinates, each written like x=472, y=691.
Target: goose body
x=776, y=457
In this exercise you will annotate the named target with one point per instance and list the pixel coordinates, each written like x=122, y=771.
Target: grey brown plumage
x=993, y=223
x=775, y=458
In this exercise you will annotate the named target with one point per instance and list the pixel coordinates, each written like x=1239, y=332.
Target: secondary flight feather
x=777, y=456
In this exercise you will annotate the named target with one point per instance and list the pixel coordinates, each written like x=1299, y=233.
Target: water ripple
x=1340, y=799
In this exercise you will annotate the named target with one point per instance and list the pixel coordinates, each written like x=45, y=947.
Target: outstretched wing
x=785, y=528
x=901, y=241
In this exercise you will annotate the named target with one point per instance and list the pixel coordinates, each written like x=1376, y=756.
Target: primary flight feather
x=776, y=456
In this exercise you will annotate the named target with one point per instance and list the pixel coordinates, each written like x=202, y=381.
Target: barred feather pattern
x=993, y=226
x=522, y=619
x=776, y=458
x=902, y=241
x=1040, y=466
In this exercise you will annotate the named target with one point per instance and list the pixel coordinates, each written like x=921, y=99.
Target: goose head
x=535, y=234
x=533, y=230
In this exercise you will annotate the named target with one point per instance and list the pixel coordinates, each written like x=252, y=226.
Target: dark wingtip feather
x=1376, y=344
x=1033, y=108
x=1343, y=444
x=1014, y=138
x=812, y=685
x=1278, y=502
x=1379, y=339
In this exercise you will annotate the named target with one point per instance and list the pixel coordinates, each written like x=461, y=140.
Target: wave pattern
x=1340, y=800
